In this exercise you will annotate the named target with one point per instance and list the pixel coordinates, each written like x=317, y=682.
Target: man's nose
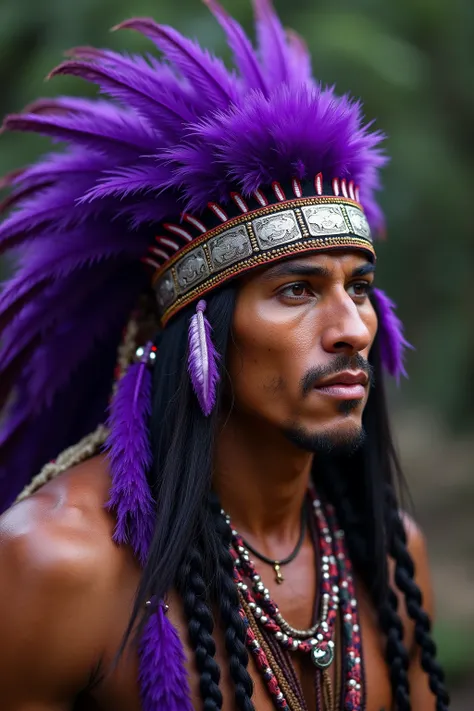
x=347, y=332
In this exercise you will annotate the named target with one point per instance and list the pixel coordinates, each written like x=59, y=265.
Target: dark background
x=411, y=61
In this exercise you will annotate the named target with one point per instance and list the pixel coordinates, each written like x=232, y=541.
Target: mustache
x=340, y=363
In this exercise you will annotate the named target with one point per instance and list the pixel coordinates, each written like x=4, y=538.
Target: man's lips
x=347, y=385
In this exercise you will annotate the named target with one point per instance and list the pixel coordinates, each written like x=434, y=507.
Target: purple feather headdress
x=171, y=136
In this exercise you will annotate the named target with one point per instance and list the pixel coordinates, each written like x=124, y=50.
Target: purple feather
x=152, y=101
x=299, y=59
x=392, y=341
x=126, y=133
x=163, y=678
x=128, y=181
x=130, y=457
x=271, y=43
x=58, y=166
x=244, y=55
x=52, y=260
x=202, y=359
x=205, y=72
x=18, y=463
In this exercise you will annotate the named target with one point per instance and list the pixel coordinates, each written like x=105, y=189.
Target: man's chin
x=343, y=438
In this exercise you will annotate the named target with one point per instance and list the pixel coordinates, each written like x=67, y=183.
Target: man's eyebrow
x=285, y=269
x=364, y=269
x=294, y=269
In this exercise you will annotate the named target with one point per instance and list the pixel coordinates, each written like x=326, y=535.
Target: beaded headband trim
x=255, y=238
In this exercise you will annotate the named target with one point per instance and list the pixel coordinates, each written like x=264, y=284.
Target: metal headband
x=256, y=238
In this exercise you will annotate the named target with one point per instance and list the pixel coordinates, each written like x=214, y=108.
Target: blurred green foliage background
x=411, y=62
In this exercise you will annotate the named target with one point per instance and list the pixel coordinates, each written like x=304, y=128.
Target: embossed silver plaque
x=229, y=247
x=324, y=220
x=165, y=291
x=274, y=230
x=191, y=269
x=359, y=222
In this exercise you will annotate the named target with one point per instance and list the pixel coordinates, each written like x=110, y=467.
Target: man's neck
x=261, y=478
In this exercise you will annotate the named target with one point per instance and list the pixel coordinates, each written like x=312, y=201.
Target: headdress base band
x=257, y=238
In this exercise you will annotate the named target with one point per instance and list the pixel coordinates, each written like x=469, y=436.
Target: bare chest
x=119, y=690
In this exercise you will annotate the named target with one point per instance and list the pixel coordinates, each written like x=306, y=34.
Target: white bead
x=264, y=619
x=356, y=628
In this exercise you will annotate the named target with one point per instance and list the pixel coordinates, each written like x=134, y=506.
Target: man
x=246, y=489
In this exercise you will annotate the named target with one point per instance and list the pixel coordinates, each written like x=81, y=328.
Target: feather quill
x=163, y=679
x=130, y=457
x=393, y=343
x=202, y=360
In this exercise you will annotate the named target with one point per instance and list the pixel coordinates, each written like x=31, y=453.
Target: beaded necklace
x=337, y=593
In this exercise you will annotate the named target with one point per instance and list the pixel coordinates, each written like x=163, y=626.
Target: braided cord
x=87, y=447
x=192, y=588
x=404, y=579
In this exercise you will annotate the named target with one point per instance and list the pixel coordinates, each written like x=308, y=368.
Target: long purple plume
x=130, y=457
x=202, y=359
x=244, y=55
x=393, y=343
x=163, y=678
x=172, y=134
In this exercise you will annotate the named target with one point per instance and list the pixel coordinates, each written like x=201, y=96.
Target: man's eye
x=298, y=290
x=360, y=289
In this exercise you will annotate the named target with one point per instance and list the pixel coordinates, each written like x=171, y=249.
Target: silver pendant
x=322, y=657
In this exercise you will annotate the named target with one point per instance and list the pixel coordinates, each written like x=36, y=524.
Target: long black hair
x=190, y=549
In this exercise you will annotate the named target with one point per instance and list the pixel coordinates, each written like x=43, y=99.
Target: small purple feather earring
x=202, y=359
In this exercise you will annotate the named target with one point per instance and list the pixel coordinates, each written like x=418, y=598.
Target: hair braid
x=191, y=586
x=354, y=523
x=396, y=653
x=229, y=609
x=404, y=579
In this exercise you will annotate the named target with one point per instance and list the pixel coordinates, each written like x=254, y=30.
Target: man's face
x=302, y=333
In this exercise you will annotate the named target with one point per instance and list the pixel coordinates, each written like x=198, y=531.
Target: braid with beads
x=191, y=586
x=229, y=606
x=404, y=579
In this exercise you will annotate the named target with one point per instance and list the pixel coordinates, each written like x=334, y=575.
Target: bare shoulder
x=58, y=566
